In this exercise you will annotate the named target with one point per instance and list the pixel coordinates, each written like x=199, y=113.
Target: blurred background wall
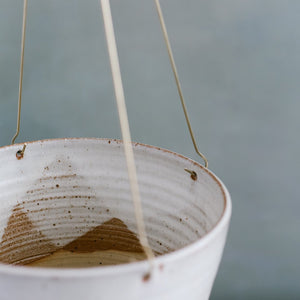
x=239, y=63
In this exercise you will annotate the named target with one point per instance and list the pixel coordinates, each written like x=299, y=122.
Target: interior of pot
x=67, y=203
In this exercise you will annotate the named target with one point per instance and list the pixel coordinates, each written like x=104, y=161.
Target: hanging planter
x=81, y=220
x=64, y=196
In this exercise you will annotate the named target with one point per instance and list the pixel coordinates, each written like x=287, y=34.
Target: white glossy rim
x=134, y=267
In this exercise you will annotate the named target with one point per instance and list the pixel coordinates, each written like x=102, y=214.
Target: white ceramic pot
x=63, y=188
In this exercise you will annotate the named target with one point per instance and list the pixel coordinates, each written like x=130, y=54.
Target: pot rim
x=140, y=266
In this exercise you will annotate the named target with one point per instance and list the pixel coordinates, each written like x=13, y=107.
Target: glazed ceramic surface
x=64, y=188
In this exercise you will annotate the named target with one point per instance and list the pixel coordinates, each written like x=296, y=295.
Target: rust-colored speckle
x=57, y=177
x=146, y=277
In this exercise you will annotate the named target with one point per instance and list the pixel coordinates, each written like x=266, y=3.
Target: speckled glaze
x=66, y=187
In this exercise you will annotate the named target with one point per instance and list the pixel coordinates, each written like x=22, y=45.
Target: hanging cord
x=119, y=93
x=21, y=71
x=170, y=53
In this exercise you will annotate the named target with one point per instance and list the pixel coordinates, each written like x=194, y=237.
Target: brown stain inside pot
x=19, y=235
x=40, y=226
x=107, y=244
x=111, y=235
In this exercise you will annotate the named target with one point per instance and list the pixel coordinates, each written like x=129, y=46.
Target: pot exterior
x=190, y=278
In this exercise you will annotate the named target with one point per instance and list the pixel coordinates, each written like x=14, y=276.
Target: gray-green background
x=239, y=63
